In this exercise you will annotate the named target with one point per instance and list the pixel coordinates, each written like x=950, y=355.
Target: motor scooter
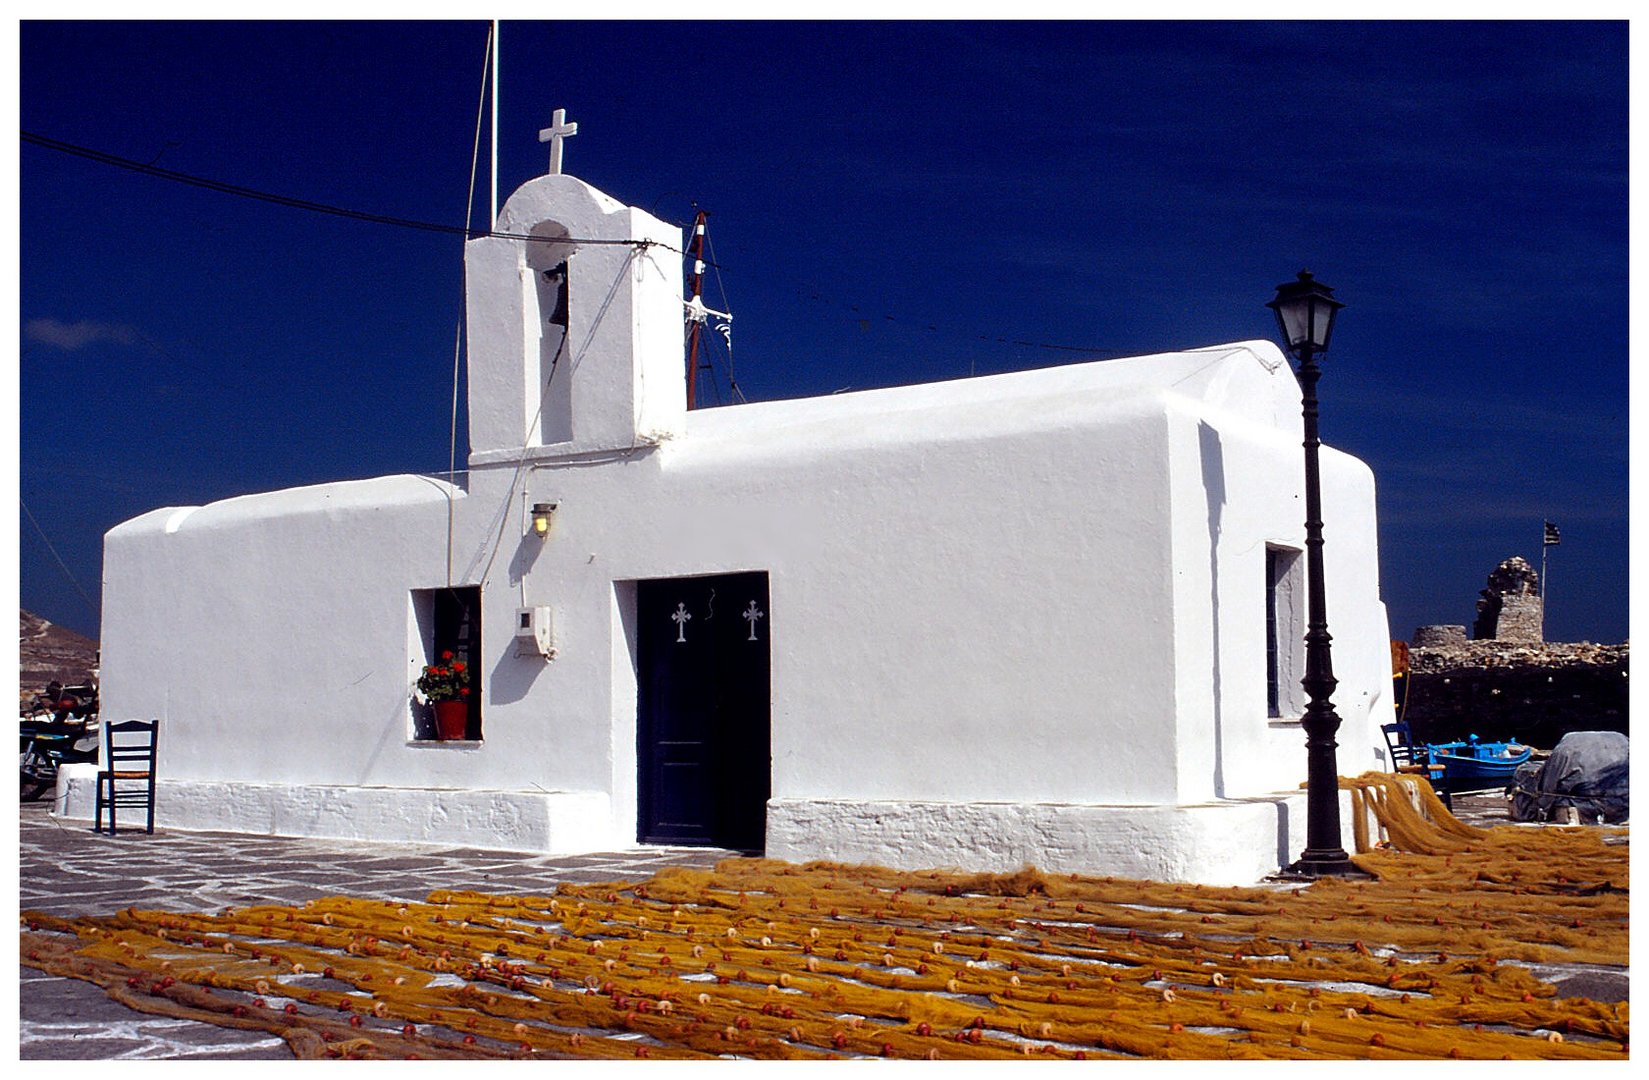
x=57, y=727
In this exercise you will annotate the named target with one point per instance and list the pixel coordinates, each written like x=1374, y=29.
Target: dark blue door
x=703, y=710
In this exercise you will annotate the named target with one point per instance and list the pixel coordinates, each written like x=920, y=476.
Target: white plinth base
x=76, y=797
x=1230, y=842
x=551, y=822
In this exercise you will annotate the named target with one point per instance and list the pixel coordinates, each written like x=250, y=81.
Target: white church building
x=1052, y=617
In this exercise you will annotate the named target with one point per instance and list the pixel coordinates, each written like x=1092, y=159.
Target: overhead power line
x=90, y=605
x=811, y=290
x=307, y=204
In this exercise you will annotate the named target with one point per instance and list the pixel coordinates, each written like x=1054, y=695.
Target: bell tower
x=574, y=312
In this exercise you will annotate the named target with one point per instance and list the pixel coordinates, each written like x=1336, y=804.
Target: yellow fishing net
x=761, y=959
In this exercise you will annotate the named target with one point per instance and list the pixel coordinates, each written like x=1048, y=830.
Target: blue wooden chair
x=1405, y=757
x=128, y=774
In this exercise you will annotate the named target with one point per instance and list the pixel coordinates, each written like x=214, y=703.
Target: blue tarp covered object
x=1588, y=770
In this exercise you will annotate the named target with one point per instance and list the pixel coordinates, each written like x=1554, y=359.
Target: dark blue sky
x=890, y=203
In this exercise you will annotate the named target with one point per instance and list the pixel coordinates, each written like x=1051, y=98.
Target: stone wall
x=1511, y=609
x=1522, y=618
x=1435, y=637
x=1534, y=693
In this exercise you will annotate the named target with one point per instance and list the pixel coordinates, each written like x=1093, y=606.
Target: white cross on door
x=751, y=614
x=680, y=619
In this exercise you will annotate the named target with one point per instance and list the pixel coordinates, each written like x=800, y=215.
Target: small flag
x=1551, y=536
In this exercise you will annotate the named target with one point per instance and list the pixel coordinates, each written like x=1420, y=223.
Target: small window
x=1284, y=633
x=446, y=621
x=1272, y=697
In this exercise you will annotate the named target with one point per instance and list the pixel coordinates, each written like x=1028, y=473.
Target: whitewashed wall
x=1244, y=471
x=1016, y=617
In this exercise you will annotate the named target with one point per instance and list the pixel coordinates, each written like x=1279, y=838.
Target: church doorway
x=703, y=691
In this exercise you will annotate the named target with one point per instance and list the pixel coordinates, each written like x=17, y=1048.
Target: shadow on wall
x=1285, y=857
x=1213, y=486
x=526, y=556
x=514, y=674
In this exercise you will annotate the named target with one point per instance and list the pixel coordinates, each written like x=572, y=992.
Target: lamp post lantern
x=1305, y=311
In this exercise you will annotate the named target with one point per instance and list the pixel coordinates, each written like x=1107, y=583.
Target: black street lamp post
x=1305, y=314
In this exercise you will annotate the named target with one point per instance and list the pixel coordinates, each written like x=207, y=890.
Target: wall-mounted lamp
x=541, y=515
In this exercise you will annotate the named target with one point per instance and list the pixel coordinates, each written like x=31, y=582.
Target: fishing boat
x=1477, y=760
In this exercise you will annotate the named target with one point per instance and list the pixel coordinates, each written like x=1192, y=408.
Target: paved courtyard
x=66, y=869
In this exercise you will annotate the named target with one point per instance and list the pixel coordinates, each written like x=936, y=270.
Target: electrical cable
x=458, y=331
x=726, y=305
x=520, y=463
x=316, y=207
x=61, y=564
x=813, y=291
x=735, y=395
x=527, y=446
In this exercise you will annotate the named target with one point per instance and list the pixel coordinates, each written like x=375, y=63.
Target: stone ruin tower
x=1511, y=608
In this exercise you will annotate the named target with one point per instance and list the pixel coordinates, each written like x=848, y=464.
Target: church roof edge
x=399, y=489
x=1190, y=373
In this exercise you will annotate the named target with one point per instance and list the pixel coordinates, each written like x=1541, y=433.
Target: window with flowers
x=446, y=649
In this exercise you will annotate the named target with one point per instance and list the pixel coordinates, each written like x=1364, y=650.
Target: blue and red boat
x=1477, y=760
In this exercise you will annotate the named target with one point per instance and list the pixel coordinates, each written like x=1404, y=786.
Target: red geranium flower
x=444, y=681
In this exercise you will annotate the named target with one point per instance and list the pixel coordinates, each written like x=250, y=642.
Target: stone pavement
x=1597, y=982
x=66, y=869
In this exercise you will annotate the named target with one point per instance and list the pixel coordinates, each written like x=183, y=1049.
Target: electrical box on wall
x=534, y=631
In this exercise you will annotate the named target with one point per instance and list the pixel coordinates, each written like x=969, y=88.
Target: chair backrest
x=129, y=745
x=1399, y=744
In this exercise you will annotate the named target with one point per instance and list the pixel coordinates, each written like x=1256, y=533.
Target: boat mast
x=695, y=308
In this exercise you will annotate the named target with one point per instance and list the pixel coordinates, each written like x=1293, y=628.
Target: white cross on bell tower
x=558, y=130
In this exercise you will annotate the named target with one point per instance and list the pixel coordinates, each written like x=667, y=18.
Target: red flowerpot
x=451, y=719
